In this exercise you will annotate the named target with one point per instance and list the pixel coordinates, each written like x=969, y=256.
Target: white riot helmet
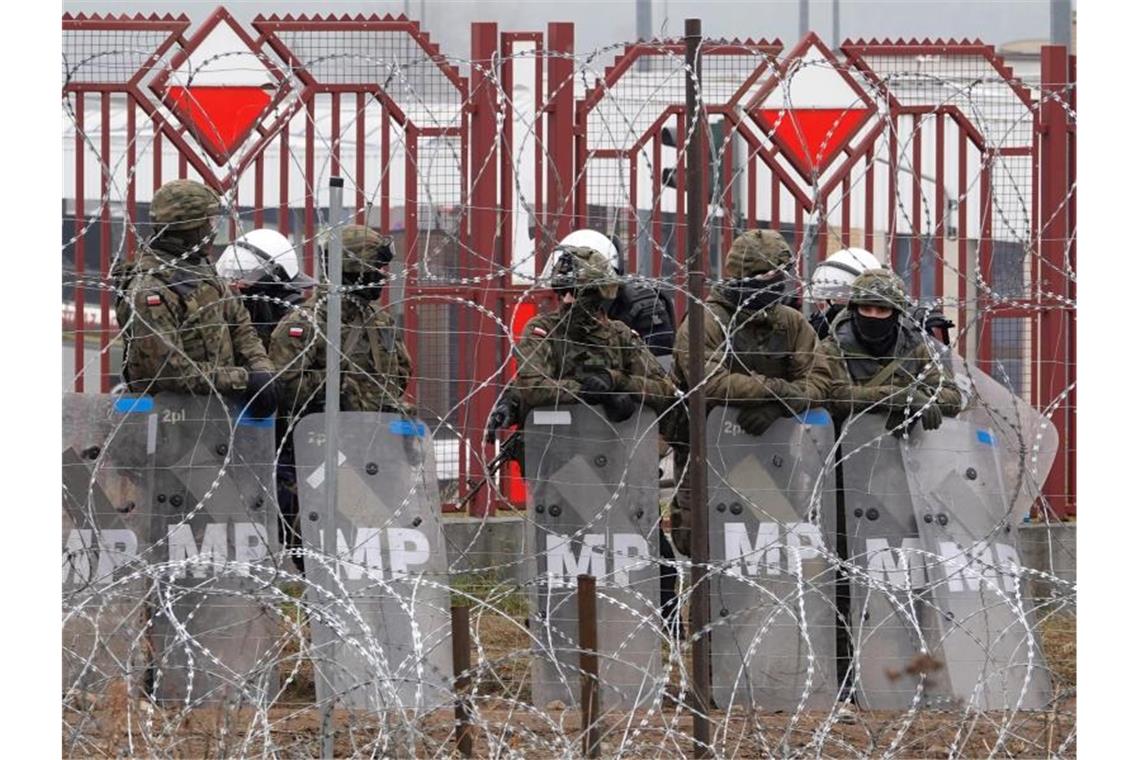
x=264, y=256
x=588, y=239
x=831, y=280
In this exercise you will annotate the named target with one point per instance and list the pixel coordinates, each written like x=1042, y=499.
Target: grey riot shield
x=984, y=624
x=772, y=548
x=890, y=611
x=215, y=521
x=593, y=510
x=106, y=542
x=1027, y=440
x=376, y=569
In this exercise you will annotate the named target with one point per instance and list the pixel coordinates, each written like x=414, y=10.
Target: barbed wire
x=870, y=581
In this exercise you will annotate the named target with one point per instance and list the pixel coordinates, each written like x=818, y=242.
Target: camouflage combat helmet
x=183, y=204
x=363, y=249
x=878, y=287
x=756, y=252
x=579, y=268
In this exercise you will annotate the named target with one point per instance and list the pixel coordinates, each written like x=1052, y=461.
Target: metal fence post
x=588, y=661
x=695, y=213
x=461, y=664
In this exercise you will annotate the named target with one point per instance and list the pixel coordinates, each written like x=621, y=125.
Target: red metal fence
x=450, y=159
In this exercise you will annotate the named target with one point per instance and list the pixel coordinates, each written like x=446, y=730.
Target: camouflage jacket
x=756, y=357
x=184, y=330
x=554, y=352
x=853, y=370
x=375, y=366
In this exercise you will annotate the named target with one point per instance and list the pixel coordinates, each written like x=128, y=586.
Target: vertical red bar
x=335, y=127
x=940, y=204
x=869, y=202
x=963, y=237
x=411, y=243
x=183, y=165
x=775, y=223
x=80, y=223
x=798, y=234
x=845, y=212
x=310, y=183
x=104, y=240
x=385, y=177
x=361, y=110
x=631, y=219
x=681, y=219
x=657, y=235
x=131, y=218
x=1056, y=363
x=283, y=183
x=156, y=157
x=917, y=247
x=1070, y=313
x=753, y=201
x=985, y=267
x=485, y=219
x=727, y=201
x=892, y=191
x=560, y=195
x=259, y=191
x=581, y=157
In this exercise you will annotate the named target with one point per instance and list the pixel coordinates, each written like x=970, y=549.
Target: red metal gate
x=932, y=154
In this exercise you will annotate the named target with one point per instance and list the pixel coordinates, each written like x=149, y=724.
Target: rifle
x=512, y=449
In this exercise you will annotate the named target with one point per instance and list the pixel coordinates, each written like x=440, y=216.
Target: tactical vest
x=194, y=298
x=645, y=310
x=769, y=357
x=595, y=351
x=862, y=367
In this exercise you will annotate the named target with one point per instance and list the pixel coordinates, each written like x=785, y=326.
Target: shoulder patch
x=539, y=332
x=296, y=331
x=154, y=299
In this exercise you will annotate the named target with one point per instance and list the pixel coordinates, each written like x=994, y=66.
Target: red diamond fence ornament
x=814, y=135
x=222, y=116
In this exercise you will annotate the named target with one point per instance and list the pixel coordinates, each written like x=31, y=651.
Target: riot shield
x=984, y=625
x=106, y=541
x=376, y=569
x=771, y=530
x=216, y=525
x=593, y=510
x=1027, y=440
x=891, y=608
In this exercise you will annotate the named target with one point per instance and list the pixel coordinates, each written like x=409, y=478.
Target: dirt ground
x=97, y=725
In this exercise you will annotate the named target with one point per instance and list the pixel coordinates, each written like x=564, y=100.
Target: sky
x=599, y=23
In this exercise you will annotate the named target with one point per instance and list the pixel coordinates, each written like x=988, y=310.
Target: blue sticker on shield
x=134, y=404
x=985, y=436
x=814, y=417
x=256, y=422
x=407, y=428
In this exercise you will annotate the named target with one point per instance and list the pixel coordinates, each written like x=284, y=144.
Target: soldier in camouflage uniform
x=760, y=354
x=579, y=355
x=183, y=330
x=881, y=363
x=375, y=366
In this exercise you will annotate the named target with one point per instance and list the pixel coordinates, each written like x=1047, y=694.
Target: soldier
x=759, y=354
x=831, y=285
x=579, y=355
x=375, y=366
x=881, y=363
x=262, y=265
x=183, y=330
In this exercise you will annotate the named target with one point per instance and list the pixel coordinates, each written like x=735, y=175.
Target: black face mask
x=878, y=336
x=754, y=294
x=366, y=286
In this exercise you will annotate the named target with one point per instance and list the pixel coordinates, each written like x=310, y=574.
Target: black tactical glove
x=498, y=419
x=260, y=394
x=596, y=387
x=755, y=420
x=895, y=422
x=931, y=417
x=619, y=406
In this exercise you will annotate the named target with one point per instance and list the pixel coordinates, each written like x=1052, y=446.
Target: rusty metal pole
x=588, y=661
x=461, y=665
x=696, y=209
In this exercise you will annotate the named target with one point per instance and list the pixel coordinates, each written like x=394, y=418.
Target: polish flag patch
x=540, y=332
x=296, y=332
x=154, y=299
